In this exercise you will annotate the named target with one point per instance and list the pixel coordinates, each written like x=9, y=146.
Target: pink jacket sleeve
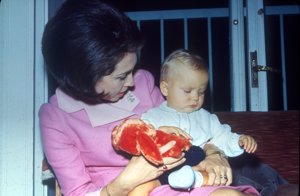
x=62, y=155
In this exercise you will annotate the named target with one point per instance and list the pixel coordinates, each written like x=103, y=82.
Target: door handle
x=255, y=68
x=265, y=68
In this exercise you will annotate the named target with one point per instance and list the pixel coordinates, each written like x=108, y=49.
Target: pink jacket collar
x=100, y=114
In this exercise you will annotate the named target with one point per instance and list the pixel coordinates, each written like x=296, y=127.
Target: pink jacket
x=77, y=137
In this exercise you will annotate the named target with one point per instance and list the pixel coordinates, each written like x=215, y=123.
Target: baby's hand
x=248, y=143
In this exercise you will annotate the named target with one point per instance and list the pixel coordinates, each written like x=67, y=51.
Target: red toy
x=136, y=137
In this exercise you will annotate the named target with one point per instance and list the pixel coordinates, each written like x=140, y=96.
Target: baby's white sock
x=198, y=179
x=184, y=178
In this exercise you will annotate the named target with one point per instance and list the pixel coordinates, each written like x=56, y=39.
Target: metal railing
x=208, y=14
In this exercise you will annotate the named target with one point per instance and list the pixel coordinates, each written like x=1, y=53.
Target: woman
x=91, y=49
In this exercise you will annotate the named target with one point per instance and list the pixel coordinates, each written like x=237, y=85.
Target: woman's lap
x=165, y=190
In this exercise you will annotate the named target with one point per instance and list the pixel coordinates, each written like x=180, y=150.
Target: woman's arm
x=216, y=165
x=131, y=176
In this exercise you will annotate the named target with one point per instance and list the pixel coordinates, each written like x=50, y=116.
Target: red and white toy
x=136, y=137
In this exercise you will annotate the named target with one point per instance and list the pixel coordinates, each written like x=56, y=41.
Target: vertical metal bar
x=237, y=54
x=210, y=63
x=283, y=65
x=138, y=24
x=41, y=90
x=162, y=41
x=186, y=42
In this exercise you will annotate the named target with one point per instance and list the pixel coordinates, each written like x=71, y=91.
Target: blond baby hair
x=182, y=57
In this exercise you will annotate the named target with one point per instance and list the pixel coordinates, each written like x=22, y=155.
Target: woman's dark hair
x=84, y=41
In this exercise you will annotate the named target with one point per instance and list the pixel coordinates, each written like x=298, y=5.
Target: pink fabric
x=204, y=191
x=79, y=149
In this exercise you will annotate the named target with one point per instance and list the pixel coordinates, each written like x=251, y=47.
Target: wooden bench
x=277, y=134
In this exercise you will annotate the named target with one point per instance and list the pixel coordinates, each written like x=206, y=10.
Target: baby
x=184, y=79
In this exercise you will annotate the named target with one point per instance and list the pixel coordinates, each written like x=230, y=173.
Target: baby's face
x=185, y=89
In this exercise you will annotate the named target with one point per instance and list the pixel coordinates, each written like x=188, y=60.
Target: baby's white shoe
x=183, y=178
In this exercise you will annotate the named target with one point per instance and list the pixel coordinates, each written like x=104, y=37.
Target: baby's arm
x=248, y=143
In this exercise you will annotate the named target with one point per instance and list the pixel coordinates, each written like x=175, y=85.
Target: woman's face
x=119, y=81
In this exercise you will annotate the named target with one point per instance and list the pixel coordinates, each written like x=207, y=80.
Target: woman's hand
x=175, y=130
x=217, y=167
x=139, y=171
x=169, y=162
